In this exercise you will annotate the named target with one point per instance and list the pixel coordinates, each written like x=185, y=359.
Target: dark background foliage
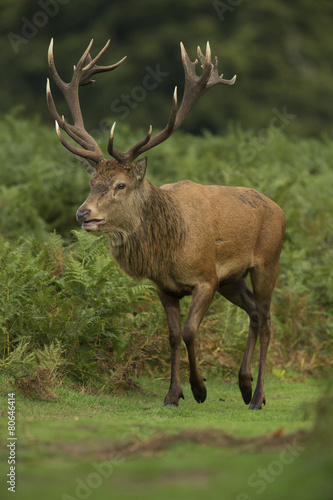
x=282, y=53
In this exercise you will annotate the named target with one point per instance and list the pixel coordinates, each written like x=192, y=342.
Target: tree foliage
x=281, y=51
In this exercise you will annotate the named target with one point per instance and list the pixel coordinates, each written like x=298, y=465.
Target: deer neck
x=158, y=230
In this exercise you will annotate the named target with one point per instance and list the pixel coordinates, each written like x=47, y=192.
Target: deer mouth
x=92, y=224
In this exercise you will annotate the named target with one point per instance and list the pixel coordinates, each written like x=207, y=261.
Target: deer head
x=115, y=198
x=118, y=185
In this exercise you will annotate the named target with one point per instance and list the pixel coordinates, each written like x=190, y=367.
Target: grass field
x=130, y=446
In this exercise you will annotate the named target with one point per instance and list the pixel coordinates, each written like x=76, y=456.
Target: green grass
x=62, y=445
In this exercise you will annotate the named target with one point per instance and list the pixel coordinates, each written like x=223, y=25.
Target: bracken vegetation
x=69, y=315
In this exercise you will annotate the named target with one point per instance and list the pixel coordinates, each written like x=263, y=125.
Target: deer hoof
x=255, y=407
x=247, y=396
x=200, y=395
x=172, y=400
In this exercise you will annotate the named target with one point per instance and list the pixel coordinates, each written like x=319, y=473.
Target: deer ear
x=140, y=168
x=89, y=165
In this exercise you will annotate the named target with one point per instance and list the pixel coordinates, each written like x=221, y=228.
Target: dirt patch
x=211, y=437
x=216, y=438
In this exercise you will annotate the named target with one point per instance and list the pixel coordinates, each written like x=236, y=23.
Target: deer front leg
x=202, y=297
x=171, y=306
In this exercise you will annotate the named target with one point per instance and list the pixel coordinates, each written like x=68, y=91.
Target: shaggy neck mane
x=147, y=251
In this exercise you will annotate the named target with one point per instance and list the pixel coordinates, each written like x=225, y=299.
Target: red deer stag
x=188, y=239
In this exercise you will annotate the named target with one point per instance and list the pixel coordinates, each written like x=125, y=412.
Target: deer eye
x=121, y=186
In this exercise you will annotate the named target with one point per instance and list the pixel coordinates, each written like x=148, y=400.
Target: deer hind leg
x=172, y=309
x=202, y=297
x=239, y=294
x=263, y=279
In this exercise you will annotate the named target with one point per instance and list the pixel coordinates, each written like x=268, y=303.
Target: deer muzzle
x=82, y=215
x=87, y=223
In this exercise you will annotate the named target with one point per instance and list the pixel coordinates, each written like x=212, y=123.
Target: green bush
x=41, y=186
x=73, y=297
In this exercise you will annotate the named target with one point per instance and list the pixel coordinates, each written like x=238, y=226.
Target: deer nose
x=82, y=215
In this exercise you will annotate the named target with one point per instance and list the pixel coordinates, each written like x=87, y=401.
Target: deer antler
x=83, y=71
x=195, y=87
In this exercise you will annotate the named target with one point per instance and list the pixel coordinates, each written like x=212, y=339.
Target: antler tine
x=164, y=134
x=82, y=60
x=195, y=86
x=84, y=153
x=52, y=69
x=92, y=68
x=215, y=78
x=112, y=151
x=139, y=146
x=123, y=158
x=148, y=142
x=69, y=129
x=84, y=69
x=188, y=65
x=99, y=55
x=206, y=61
x=50, y=102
